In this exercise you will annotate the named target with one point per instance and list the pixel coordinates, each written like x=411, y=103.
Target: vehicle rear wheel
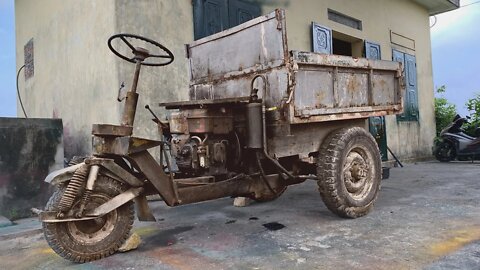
x=445, y=151
x=349, y=171
x=88, y=240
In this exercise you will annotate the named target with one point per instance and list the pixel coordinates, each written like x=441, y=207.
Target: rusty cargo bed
x=307, y=87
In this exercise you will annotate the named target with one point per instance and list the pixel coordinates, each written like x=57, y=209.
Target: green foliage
x=473, y=107
x=444, y=110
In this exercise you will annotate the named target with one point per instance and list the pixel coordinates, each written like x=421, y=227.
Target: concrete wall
x=76, y=77
x=29, y=150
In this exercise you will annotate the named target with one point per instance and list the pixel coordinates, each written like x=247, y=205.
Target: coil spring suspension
x=76, y=183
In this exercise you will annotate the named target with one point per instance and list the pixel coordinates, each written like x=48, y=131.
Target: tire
x=349, y=172
x=445, y=151
x=83, y=241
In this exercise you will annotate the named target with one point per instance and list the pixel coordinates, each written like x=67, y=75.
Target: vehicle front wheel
x=88, y=240
x=349, y=172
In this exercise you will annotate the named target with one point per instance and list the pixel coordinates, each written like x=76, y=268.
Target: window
x=341, y=47
x=344, y=19
x=347, y=45
x=213, y=16
x=326, y=41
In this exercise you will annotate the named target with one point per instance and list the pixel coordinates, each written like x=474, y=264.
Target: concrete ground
x=427, y=217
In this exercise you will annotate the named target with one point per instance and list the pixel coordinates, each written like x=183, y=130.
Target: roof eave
x=435, y=7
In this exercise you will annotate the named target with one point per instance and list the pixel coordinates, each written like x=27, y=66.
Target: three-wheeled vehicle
x=259, y=118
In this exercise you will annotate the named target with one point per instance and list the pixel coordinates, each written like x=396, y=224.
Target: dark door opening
x=341, y=47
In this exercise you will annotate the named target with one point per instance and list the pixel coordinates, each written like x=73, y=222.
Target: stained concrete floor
x=427, y=217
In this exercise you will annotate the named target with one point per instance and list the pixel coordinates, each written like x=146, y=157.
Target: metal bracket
x=116, y=202
x=143, y=211
x=122, y=174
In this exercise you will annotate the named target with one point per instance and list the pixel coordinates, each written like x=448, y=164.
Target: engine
x=204, y=142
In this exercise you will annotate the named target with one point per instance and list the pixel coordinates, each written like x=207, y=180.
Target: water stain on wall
x=28, y=149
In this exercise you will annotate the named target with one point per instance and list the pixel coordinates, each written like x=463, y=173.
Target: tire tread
x=51, y=229
x=328, y=166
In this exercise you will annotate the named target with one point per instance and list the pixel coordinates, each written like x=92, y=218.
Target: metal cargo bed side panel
x=239, y=87
x=257, y=45
x=304, y=139
x=333, y=87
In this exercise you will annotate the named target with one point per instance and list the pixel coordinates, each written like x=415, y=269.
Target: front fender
x=114, y=171
x=62, y=175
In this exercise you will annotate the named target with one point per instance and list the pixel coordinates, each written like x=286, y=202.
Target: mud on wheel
x=349, y=171
x=88, y=240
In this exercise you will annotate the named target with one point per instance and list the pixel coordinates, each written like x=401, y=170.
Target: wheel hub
x=94, y=230
x=356, y=173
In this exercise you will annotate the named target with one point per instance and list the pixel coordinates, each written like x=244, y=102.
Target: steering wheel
x=141, y=54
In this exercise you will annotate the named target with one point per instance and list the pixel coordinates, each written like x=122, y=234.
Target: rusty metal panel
x=383, y=89
x=307, y=138
x=110, y=145
x=214, y=120
x=321, y=84
x=258, y=44
x=278, y=82
x=178, y=123
x=309, y=58
x=111, y=130
x=306, y=87
x=333, y=87
x=352, y=89
x=237, y=90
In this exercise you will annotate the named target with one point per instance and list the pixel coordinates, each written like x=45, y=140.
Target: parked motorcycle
x=456, y=144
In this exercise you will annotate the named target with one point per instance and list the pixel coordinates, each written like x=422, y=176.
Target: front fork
x=92, y=177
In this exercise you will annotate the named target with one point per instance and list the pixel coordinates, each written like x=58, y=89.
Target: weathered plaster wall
x=29, y=150
x=74, y=78
x=77, y=77
x=171, y=24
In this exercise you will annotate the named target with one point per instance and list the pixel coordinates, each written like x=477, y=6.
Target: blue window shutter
x=372, y=50
x=321, y=39
x=240, y=12
x=376, y=124
x=213, y=16
x=411, y=85
x=209, y=17
x=400, y=57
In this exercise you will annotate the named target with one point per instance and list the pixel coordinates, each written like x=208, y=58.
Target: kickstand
x=395, y=157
